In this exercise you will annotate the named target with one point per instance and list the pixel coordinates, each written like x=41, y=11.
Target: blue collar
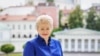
x=42, y=41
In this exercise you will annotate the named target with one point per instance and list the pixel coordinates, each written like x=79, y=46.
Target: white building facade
x=17, y=26
x=20, y=32
x=4, y=30
x=21, y=21
x=79, y=40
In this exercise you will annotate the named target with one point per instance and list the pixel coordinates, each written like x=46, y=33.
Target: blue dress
x=38, y=47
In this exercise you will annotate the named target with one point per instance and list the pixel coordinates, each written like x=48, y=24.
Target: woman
x=43, y=44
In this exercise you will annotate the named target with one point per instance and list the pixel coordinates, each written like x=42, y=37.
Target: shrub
x=7, y=48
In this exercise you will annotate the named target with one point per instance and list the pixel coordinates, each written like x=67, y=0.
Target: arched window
x=66, y=43
x=73, y=44
x=86, y=44
x=92, y=44
x=25, y=36
x=13, y=36
x=18, y=35
x=99, y=45
x=79, y=44
x=30, y=36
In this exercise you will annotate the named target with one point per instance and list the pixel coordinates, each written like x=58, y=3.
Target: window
x=24, y=26
x=25, y=36
x=18, y=35
x=13, y=26
x=24, y=18
x=86, y=44
x=30, y=36
x=92, y=44
x=3, y=18
x=66, y=43
x=72, y=43
x=0, y=35
x=13, y=36
x=79, y=44
x=30, y=27
x=19, y=27
x=99, y=44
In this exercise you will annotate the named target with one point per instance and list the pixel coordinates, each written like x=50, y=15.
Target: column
x=63, y=44
x=89, y=45
x=76, y=45
x=96, y=45
x=83, y=45
x=69, y=44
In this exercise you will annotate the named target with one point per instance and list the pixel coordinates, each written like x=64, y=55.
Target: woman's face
x=44, y=30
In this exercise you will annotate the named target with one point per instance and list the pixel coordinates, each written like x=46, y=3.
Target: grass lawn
x=15, y=54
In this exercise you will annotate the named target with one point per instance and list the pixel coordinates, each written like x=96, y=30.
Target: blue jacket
x=38, y=47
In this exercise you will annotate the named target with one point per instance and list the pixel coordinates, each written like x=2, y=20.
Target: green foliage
x=1, y=10
x=75, y=18
x=97, y=24
x=0, y=48
x=60, y=16
x=23, y=46
x=91, y=19
x=7, y=48
x=56, y=30
x=52, y=35
x=50, y=1
x=30, y=2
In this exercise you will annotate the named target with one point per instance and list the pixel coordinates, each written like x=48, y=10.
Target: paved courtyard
x=75, y=54
x=81, y=54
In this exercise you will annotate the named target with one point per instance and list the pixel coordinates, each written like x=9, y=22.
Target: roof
x=17, y=18
x=21, y=10
x=77, y=31
x=29, y=13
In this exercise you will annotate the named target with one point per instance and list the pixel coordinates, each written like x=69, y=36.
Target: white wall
x=15, y=29
x=22, y=28
x=96, y=38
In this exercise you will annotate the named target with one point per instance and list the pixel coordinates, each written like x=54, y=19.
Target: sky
x=85, y=4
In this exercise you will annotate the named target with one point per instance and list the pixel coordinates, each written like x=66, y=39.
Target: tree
x=50, y=1
x=1, y=9
x=23, y=46
x=29, y=2
x=7, y=48
x=91, y=19
x=97, y=25
x=56, y=30
x=60, y=16
x=75, y=18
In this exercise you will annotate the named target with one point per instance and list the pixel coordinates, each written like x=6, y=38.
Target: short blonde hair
x=44, y=18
